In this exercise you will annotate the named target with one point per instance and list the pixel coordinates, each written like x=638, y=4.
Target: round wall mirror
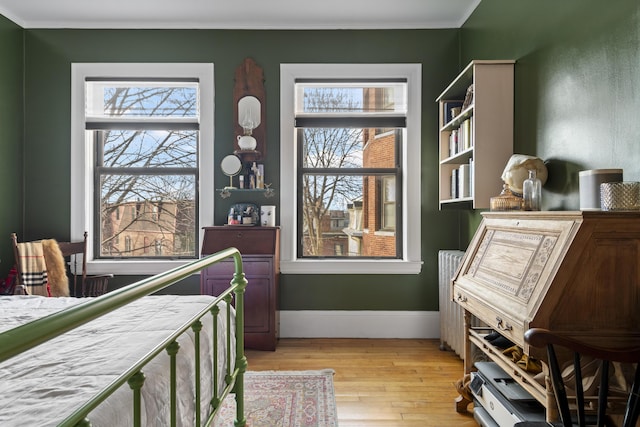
x=231, y=166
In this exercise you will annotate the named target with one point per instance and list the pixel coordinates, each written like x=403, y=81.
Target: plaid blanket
x=33, y=269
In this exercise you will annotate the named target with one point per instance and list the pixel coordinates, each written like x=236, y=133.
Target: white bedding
x=43, y=385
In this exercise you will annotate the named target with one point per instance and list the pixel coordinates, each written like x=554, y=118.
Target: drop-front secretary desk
x=577, y=273
x=260, y=250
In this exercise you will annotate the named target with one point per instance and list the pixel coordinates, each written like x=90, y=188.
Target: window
x=387, y=206
x=142, y=158
x=340, y=158
x=350, y=140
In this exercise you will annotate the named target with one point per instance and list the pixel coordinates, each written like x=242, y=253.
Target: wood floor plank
x=378, y=382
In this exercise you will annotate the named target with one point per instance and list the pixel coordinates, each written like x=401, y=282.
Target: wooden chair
x=75, y=255
x=574, y=415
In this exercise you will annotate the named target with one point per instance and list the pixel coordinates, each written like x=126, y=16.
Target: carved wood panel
x=249, y=80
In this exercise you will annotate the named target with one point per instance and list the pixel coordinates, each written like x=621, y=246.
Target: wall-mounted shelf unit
x=476, y=143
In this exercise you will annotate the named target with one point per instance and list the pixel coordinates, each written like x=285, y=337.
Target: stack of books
x=461, y=139
x=462, y=181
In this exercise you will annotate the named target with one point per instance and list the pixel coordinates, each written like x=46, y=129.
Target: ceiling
x=239, y=14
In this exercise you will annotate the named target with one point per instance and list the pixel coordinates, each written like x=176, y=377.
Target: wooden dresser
x=260, y=249
x=575, y=272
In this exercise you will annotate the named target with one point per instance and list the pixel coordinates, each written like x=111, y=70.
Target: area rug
x=284, y=399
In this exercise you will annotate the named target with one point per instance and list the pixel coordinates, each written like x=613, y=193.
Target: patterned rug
x=284, y=399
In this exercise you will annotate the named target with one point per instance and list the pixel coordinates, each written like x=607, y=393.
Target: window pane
x=139, y=100
x=146, y=215
x=351, y=98
x=388, y=203
x=389, y=193
x=332, y=147
x=389, y=216
x=340, y=217
x=150, y=148
x=344, y=148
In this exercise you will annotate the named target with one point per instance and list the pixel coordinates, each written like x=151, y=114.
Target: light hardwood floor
x=378, y=382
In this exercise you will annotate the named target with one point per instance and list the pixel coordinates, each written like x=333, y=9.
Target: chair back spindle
x=574, y=413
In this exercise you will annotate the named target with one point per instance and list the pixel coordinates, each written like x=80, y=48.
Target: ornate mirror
x=249, y=112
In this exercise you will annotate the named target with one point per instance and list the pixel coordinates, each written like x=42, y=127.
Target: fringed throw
x=33, y=269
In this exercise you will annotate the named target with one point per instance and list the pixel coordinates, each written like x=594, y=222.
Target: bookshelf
x=476, y=143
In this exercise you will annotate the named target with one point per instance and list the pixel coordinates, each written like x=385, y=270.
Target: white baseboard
x=359, y=324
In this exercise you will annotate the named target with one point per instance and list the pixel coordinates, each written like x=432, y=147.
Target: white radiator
x=451, y=315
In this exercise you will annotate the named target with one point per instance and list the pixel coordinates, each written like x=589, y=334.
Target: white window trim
x=82, y=157
x=412, y=258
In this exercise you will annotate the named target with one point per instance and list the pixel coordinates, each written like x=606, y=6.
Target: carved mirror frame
x=249, y=81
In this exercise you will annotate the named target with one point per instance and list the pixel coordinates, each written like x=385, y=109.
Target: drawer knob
x=500, y=324
x=462, y=298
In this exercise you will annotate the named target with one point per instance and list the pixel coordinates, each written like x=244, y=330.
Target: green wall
x=577, y=94
x=11, y=139
x=48, y=58
x=577, y=107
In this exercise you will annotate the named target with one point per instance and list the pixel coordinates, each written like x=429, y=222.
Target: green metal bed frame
x=22, y=338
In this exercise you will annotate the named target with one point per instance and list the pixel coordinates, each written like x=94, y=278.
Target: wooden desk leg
x=463, y=401
x=468, y=357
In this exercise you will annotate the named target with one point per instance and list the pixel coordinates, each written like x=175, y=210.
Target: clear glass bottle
x=532, y=192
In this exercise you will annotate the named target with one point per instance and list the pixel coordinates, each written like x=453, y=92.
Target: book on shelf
x=471, y=176
x=453, y=143
x=466, y=141
x=464, y=182
x=454, y=184
x=448, y=109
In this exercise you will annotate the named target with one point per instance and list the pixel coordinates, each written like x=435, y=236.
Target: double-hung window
x=350, y=168
x=141, y=163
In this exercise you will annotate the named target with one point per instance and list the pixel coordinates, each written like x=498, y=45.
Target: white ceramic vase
x=247, y=142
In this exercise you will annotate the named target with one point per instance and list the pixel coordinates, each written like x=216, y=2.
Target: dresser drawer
x=248, y=240
x=252, y=266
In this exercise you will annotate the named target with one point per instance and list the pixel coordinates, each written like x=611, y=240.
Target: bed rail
x=25, y=337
